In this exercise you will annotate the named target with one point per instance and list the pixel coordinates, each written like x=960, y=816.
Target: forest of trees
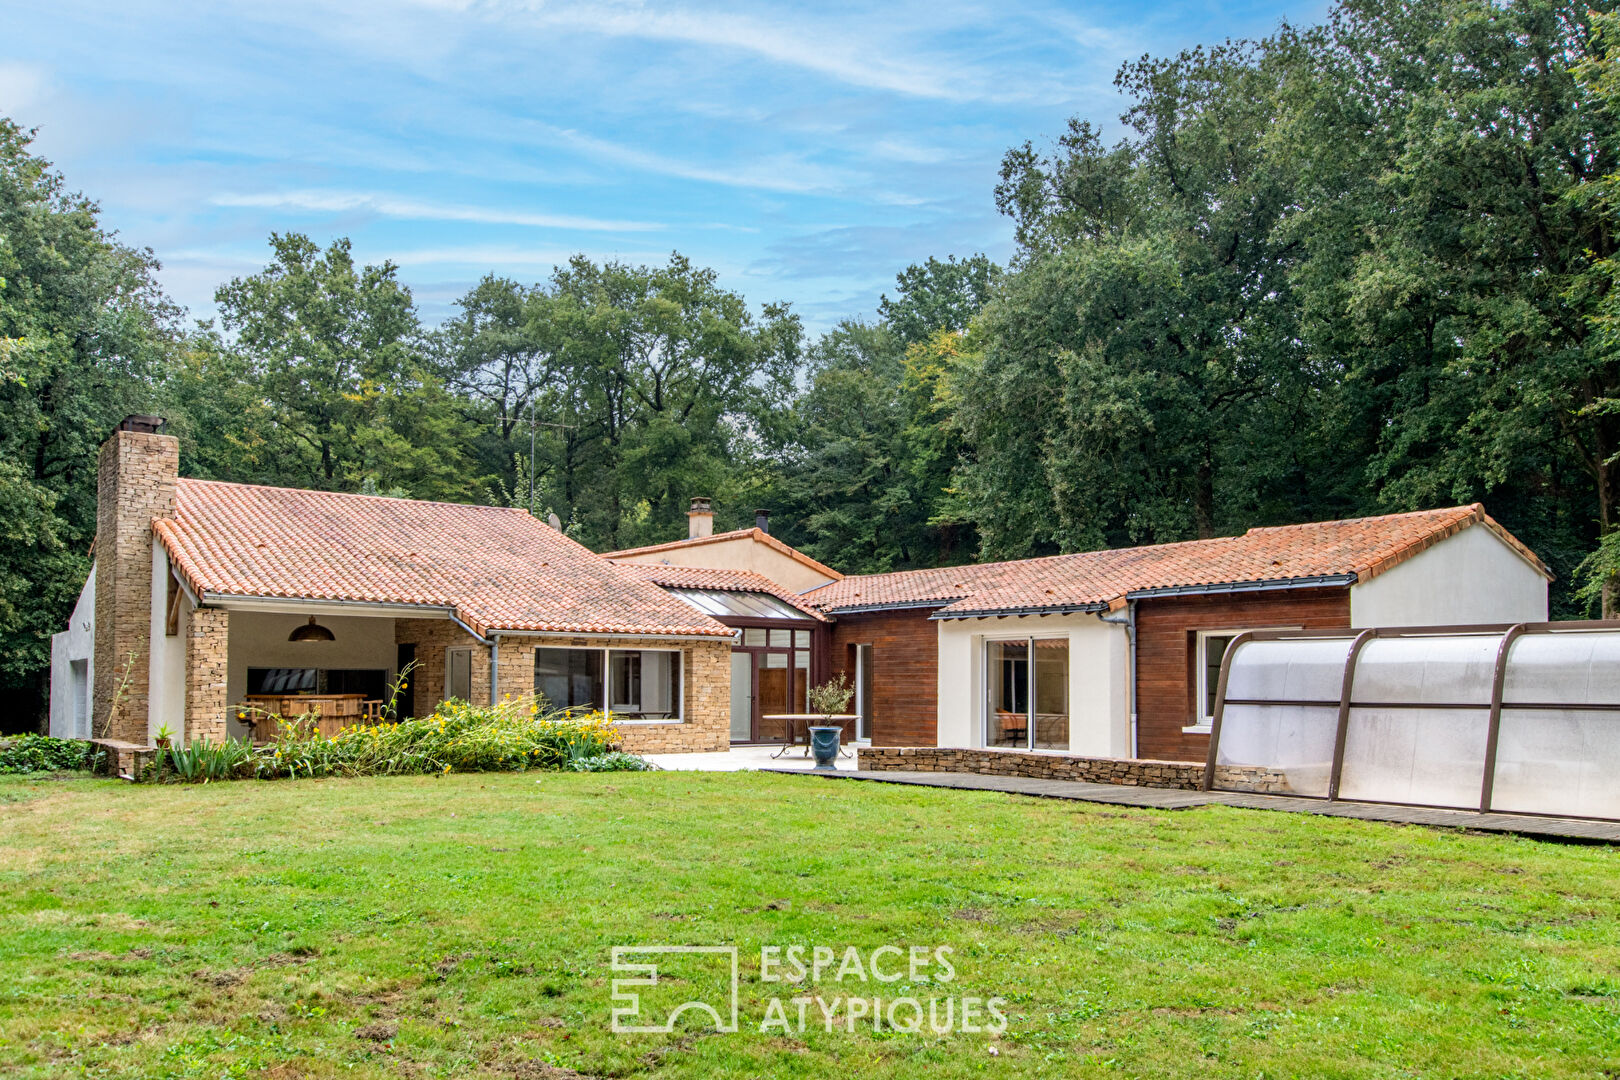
x=1356, y=268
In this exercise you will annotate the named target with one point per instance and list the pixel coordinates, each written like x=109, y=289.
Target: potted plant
x=830, y=699
x=161, y=739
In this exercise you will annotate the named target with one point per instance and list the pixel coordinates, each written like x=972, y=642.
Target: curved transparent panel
x=1296, y=739
x=1298, y=669
x=1420, y=723
x=1558, y=761
x=1430, y=757
x=1427, y=669
x=1571, y=668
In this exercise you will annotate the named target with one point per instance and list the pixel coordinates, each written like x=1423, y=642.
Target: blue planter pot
x=824, y=745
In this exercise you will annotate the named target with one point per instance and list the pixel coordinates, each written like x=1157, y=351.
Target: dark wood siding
x=905, y=671
x=1165, y=631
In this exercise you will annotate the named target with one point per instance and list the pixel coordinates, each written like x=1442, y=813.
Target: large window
x=373, y=683
x=632, y=684
x=1027, y=683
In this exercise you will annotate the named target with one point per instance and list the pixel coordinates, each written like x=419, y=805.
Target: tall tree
x=939, y=294
x=1146, y=334
x=84, y=329
x=647, y=385
x=1455, y=260
x=323, y=362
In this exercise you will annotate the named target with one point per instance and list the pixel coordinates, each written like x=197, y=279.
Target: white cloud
x=338, y=202
x=22, y=86
x=786, y=173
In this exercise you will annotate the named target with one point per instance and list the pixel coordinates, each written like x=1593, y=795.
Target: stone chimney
x=700, y=519
x=762, y=520
x=135, y=482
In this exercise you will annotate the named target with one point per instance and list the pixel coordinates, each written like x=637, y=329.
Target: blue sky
x=806, y=152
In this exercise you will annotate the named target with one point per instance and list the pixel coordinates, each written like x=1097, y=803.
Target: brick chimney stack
x=135, y=482
x=700, y=519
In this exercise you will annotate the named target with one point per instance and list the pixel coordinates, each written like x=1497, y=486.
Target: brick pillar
x=135, y=479
x=207, y=653
x=515, y=668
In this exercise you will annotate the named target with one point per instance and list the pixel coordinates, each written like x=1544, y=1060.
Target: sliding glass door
x=1027, y=693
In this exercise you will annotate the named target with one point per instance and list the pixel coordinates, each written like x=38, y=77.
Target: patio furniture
x=332, y=712
x=797, y=729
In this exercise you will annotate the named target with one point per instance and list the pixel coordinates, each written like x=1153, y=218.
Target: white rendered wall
x=166, y=682
x=1471, y=577
x=1099, y=725
x=77, y=642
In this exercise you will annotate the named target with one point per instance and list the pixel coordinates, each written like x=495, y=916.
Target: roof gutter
x=1004, y=613
x=730, y=635
x=899, y=605
x=246, y=601
x=1318, y=581
x=384, y=609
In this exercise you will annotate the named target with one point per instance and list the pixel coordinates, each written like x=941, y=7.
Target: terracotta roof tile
x=496, y=568
x=1365, y=547
x=699, y=577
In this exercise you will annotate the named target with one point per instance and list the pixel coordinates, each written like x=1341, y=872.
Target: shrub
x=458, y=737
x=41, y=753
x=204, y=761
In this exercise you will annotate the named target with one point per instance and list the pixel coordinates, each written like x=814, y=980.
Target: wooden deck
x=1543, y=828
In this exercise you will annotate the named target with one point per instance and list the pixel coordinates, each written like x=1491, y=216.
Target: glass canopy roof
x=748, y=605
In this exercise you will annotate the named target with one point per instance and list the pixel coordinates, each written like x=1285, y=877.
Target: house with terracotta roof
x=1116, y=653
x=211, y=604
x=1103, y=653
x=755, y=584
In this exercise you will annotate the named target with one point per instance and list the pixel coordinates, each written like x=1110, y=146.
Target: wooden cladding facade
x=1166, y=635
x=905, y=671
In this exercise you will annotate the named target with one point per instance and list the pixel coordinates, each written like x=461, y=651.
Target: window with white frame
x=1209, y=649
x=634, y=685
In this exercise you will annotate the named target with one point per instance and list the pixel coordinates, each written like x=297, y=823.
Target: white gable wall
x=1470, y=577
x=738, y=553
x=70, y=691
x=166, y=681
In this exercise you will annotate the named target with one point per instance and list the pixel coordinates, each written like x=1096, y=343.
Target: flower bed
x=516, y=734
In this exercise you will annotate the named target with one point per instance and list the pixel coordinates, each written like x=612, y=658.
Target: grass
x=462, y=926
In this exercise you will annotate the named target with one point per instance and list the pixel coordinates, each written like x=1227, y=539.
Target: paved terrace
x=1545, y=828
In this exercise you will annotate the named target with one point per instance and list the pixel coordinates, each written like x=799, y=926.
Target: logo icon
x=627, y=1018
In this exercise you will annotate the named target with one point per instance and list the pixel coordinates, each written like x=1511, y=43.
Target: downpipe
x=1128, y=621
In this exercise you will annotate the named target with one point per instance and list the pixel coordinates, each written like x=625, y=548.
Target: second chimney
x=700, y=519
x=762, y=520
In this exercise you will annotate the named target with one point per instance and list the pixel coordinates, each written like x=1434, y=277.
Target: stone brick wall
x=706, y=687
x=1132, y=772
x=135, y=476
x=207, y=674
x=431, y=638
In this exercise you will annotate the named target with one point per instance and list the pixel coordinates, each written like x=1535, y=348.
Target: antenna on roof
x=554, y=521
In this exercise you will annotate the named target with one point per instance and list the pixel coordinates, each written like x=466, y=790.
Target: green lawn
x=463, y=926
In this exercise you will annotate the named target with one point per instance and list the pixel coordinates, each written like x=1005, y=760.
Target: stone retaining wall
x=1044, y=765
